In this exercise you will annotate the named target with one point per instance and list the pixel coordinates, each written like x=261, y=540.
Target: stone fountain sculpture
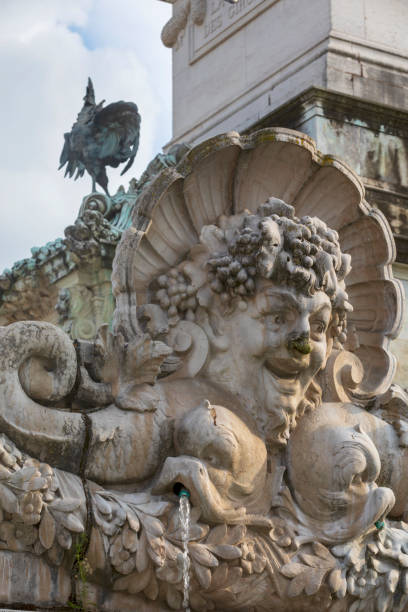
x=247, y=361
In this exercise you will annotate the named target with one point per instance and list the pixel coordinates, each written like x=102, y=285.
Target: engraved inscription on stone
x=222, y=20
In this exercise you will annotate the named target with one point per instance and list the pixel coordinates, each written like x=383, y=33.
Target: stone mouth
x=194, y=476
x=286, y=372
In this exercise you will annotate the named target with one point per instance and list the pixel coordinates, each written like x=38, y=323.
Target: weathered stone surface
x=26, y=578
x=38, y=363
x=341, y=78
x=399, y=346
x=352, y=48
x=373, y=140
x=248, y=361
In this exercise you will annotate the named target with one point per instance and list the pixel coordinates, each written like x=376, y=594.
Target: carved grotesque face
x=262, y=288
x=235, y=457
x=276, y=347
x=221, y=461
x=339, y=497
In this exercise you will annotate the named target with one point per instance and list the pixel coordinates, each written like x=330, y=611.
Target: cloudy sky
x=48, y=48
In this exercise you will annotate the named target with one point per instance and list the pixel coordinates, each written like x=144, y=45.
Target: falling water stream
x=184, y=510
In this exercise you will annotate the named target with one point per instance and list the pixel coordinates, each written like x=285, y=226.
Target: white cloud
x=48, y=48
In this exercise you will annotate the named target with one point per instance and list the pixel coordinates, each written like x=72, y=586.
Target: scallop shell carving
x=231, y=173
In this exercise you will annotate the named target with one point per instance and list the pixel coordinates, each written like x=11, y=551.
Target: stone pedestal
x=245, y=60
x=336, y=70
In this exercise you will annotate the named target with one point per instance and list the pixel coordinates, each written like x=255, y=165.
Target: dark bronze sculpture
x=101, y=137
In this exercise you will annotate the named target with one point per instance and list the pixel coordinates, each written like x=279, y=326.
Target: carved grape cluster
x=375, y=569
x=300, y=242
x=176, y=296
x=275, y=244
x=271, y=244
x=340, y=326
x=234, y=274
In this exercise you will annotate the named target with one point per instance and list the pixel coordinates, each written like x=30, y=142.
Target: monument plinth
x=235, y=64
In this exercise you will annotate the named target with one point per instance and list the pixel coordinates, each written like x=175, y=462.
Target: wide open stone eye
x=211, y=458
x=218, y=454
x=318, y=327
x=279, y=318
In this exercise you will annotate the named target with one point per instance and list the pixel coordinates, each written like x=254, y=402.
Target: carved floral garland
x=35, y=516
x=138, y=538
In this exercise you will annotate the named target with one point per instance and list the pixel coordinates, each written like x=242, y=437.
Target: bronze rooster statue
x=101, y=137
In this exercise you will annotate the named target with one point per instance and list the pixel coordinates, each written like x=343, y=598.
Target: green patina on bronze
x=72, y=275
x=101, y=137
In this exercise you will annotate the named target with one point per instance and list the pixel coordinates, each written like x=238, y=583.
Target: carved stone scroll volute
x=247, y=363
x=341, y=377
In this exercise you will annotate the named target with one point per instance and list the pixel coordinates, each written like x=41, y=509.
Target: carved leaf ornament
x=144, y=543
x=108, y=469
x=35, y=514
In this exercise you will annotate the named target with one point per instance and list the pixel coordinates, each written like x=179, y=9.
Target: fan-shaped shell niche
x=230, y=173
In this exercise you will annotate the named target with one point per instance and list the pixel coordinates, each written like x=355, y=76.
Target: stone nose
x=299, y=344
